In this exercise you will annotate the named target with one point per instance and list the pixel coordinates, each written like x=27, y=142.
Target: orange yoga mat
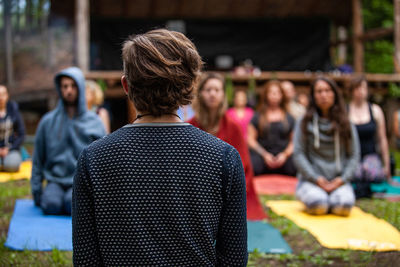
x=275, y=184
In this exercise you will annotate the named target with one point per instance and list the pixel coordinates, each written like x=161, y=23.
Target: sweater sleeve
x=38, y=158
x=85, y=244
x=300, y=158
x=231, y=243
x=353, y=158
x=20, y=131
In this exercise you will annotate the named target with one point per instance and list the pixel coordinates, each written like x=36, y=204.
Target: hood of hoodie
x=75, y=74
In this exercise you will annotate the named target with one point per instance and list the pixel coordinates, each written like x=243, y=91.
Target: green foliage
x=377, y=13
x=379, y=56
x=229, y=89
x=378, y=53
x=394, y=91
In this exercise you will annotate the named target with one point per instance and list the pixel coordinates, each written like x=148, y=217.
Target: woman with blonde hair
x=210, y=107
x=270, y=133
x=94, y=99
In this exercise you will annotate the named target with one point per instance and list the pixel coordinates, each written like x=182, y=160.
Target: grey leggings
x=318, y=201
x=11, y=162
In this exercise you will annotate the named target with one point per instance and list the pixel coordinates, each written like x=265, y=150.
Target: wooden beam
x=358, y=45
x=377, y=33
x=265, y=75
x=82, y=27
x=397, y=36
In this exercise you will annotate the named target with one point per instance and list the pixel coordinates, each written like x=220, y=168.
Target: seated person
x=12, y=133
x=369, y=121
x=270, y=134
x=295, y=109
x=326, y=152
x=240, y=112
x=60, y=137
x=95, y=99
x=210, y=105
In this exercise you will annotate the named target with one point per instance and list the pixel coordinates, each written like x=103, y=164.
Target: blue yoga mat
x=387, y=188
x=265, y=238
x=31, y=230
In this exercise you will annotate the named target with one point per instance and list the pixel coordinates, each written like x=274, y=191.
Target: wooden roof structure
x=339, y=11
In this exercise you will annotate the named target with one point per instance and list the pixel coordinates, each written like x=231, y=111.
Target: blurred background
x=249, y=41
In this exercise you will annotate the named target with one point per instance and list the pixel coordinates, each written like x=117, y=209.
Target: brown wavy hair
x=161, y=68
x=203, y=115
x=356, y=82
x=262, y=107
x=337, y=113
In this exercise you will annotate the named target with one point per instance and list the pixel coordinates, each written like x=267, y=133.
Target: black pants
x=260, y=167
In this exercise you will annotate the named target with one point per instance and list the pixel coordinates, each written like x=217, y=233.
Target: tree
x=8, y=42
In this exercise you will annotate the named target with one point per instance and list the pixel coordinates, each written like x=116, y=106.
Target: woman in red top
x=210, y=107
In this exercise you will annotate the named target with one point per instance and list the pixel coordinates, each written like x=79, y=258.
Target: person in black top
x=270, y=133
x=12, y=133
x=369, y=121
x=159, y=192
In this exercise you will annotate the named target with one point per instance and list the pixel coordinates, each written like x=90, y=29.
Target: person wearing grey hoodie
x=60, y=137
x=326, y=152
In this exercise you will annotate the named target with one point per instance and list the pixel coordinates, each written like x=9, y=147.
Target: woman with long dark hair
x=270, y=133
x=210, y=115
x=326, y=152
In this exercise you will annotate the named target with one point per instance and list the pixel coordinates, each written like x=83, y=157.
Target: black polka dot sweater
x=159, y=195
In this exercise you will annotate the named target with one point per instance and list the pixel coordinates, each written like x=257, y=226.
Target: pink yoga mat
x=275, y=184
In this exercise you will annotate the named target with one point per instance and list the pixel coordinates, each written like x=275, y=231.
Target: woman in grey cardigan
x=326, y=152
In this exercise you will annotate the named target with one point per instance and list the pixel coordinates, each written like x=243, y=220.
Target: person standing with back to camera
x=159, y=192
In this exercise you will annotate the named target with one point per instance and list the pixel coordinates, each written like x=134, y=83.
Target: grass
x=306, y=250
x=9, y=192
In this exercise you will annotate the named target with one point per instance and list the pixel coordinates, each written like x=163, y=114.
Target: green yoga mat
x=265, y=238
x=387, y=188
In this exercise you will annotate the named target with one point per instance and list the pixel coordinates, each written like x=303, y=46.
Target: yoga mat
x=275, y=184
x=359, y=231
x=265, y=238
x=24, y=173
x=31, y=230
x=387, y=188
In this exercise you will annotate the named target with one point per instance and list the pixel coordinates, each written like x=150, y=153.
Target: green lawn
x=306, y=250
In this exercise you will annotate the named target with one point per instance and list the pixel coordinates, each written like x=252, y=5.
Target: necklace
x=148, y=114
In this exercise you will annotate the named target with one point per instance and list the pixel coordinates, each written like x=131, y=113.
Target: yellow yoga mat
x=23, y=173
x=359, y=231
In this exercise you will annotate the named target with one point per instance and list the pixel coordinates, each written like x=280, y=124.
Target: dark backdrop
x=272, y=44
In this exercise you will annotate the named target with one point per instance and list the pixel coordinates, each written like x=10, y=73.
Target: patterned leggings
x=370, y=170
x=318, y=201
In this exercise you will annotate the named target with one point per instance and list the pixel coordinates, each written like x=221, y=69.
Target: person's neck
x=3, y=109
x=325, y=114
x=71, y=110
x=166, y=118
x=240, y=108
x=273, y=108
x=359, y=103
x=213, y=115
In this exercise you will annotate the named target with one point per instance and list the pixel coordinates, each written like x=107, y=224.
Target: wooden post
x=82, y=17
x=342, y=47
x=358, y=30
x=8, y=43
x=397, y=35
